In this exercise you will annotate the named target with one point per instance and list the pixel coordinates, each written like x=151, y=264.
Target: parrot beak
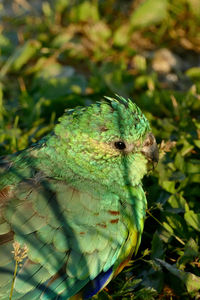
x=150, y=149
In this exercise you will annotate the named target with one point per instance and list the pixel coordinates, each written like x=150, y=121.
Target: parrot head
x=109, y=142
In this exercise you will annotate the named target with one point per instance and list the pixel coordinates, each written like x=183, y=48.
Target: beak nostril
x=149, y=141
x=147, y=144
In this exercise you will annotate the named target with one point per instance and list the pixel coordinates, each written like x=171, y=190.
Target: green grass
x=73, y=53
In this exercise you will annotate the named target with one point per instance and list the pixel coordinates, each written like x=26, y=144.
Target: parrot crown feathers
x=118, y=104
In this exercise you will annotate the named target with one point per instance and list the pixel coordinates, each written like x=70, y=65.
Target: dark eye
x=120, y=145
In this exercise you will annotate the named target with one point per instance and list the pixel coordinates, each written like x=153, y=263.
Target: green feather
x=75, y=201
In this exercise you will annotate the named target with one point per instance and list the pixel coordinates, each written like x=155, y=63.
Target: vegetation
x=60, y=54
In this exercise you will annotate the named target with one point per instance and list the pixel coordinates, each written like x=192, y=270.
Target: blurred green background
x=63, y=53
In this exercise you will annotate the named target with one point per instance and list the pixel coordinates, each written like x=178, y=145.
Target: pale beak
x=150, y=148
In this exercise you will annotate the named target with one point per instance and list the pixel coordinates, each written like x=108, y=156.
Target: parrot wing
x=71, y=236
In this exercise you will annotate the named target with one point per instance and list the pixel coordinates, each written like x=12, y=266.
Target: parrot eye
x=120, y=145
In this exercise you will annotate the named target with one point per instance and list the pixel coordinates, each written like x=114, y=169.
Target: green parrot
x=72, y=205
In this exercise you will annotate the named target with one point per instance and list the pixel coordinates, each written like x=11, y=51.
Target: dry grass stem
x=19, y=255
